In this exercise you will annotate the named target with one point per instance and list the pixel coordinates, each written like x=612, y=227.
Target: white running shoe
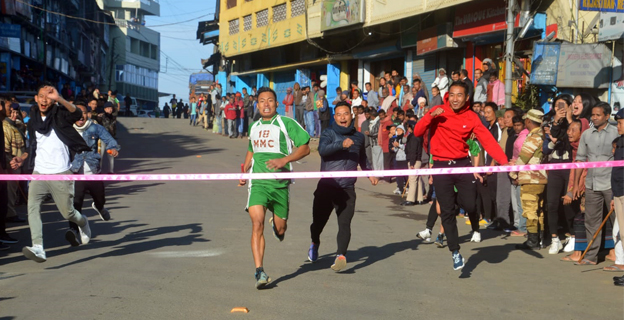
x=555, y=246
x=397, y=191
x=85, y=232
x=569, y=247
x=425, y=235
x=35, y=253
x=476, y=237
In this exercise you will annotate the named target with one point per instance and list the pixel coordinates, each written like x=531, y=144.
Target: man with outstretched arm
x=341, y=149
x=271, y=141
x=451, y=124
x=52, y=137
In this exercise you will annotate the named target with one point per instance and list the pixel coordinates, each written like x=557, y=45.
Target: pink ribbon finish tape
x=307, y=175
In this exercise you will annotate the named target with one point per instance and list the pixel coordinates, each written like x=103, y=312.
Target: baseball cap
x=15, y=106
x=619, y=115
x=108, y=105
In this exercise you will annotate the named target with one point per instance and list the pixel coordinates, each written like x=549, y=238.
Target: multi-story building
x=135, y=50
x=38, y=45
x=336, y=42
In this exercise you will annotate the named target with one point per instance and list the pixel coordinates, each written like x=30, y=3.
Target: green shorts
x=275, y=199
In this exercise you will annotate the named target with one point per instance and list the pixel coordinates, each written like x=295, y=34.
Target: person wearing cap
x=532, y=182
x=288, y=103
x=341, y=148
x=14, y=146
x=595, y=145
x=617, y=185
x=441, y=82
x=450, y=125
x=112, y=97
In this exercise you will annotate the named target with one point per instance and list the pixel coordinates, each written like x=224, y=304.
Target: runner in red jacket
x=451, y=124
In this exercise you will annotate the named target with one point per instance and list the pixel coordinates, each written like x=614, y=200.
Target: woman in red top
x=288, y=102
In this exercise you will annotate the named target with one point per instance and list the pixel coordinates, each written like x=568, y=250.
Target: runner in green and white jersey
x=271, y=141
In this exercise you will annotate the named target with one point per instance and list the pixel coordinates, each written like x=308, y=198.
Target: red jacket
x=383, y=135
x=230, y=111
x=450, y=130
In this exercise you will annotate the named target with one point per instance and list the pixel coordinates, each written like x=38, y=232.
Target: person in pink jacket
x=496, y=90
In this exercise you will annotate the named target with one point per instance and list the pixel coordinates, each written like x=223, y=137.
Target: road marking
x=187, y=254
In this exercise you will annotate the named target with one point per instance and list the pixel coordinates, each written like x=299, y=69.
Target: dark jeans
x=95, y=188
x=299, y=110
x=556, y=188
x=327, y=199
x=4, y=205
x=447, y=197
x=432, y=216
x=487, y=190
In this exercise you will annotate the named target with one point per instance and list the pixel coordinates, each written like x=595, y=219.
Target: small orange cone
x=239, y=309
x=199, y=156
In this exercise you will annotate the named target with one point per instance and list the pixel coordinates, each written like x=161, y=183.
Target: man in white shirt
x=52, y=137
x=441, y=82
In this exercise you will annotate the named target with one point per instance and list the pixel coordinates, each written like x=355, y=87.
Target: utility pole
x=509, y=53
x=111, y=65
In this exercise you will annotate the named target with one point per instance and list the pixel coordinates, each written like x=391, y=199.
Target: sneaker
x=555, y=246
x=5, y=238
x=397, y=191
x=35, y=253
x=468, y=221
x=278, y=237
x=440, y=240
x=262, y=279
x=476, y=237
x=104, y=215
x=569, y=247
x=425, y=234
x=483, y=222
x=313, y=252
x=4, y=247
x=458, y=261
x=85, y=232
x=340, y=263
x=72, y=237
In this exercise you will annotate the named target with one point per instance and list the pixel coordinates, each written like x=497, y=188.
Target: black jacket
x=413, y=149
x=63, y=125
x=335, y=158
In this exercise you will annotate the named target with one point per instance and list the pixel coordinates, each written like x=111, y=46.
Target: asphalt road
x=180, y=250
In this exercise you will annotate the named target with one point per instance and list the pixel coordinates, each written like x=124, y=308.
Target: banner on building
x=435, y=38
x=584, y=66
x=545, y=62
x=602, y=5
x=341, y=13
x=485, y=17
x=611, y=26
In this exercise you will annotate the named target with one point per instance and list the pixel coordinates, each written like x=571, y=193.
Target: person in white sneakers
x=88, y=163
x=52, y=138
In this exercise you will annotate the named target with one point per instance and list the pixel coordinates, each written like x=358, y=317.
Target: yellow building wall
x=561, y=12
x=275, y=34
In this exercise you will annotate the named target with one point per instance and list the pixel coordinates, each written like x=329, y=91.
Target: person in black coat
x=341, y=148
x=413, y=152
x=466, y=80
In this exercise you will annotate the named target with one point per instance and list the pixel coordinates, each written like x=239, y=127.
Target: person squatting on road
x=341, y=148
x=52, y=138
x=451, y=124
x=271, y=141
x=88, y=163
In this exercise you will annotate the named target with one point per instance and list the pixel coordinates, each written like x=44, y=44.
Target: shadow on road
x=492, y=254
x=368, y=255
x=129, y=245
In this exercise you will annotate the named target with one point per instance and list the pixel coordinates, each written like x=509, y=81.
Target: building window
x=247, y=23
x=262, y=18
x=233, y=26
x=279, y=12
x=297, y=8
x=231, y=4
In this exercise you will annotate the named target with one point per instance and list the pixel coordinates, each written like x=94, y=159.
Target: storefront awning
x=283, y=67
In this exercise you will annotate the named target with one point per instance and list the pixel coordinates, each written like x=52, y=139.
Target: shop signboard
x=484, y=17
x=611, y=26
x=341, y=13
x=545, y=62
x=435, y=38
x=584, y=66
x=602, y=5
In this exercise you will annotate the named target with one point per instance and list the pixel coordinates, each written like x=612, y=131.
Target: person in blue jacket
x=341, y=148
x=87, y=163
